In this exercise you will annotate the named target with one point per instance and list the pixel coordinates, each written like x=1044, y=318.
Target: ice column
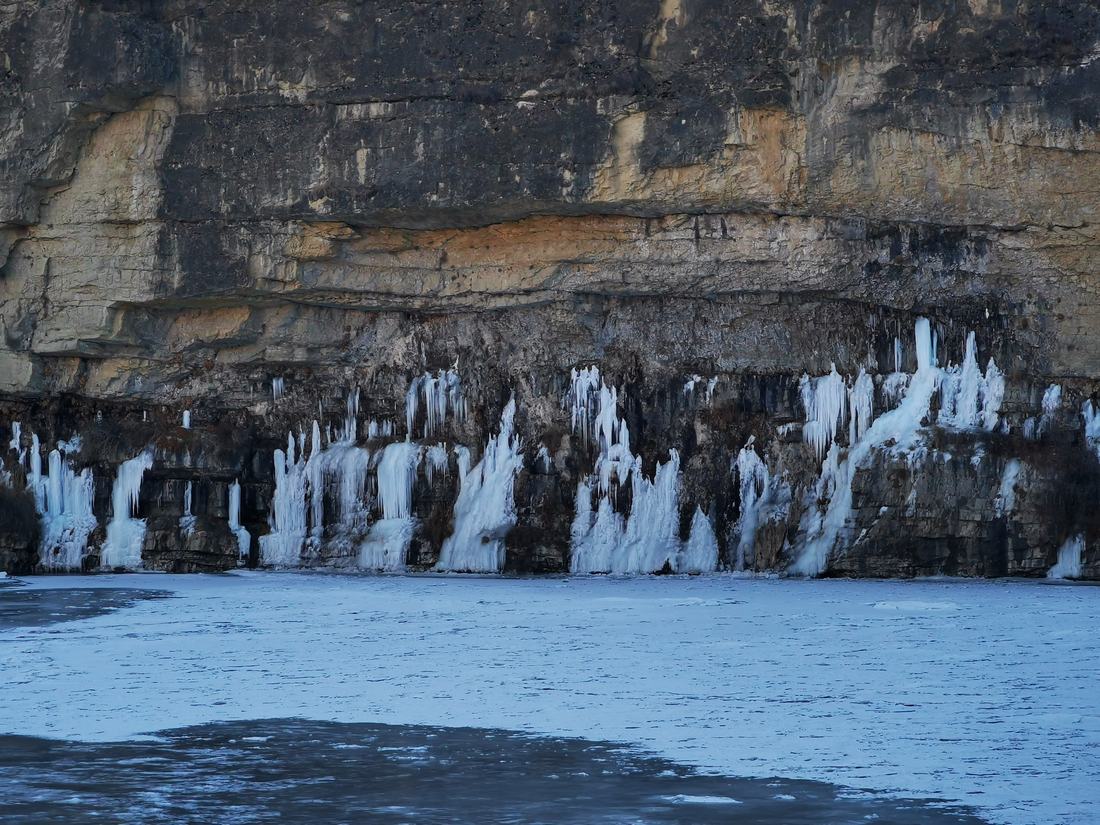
x=387, y=544
x=969, y=399
x=700, y=552
x=583, y=399
x=1069, y=559
x=752, y=479
x=244, y=539
x=435, y=461
x=282, y=547
x=187, y=520
x=648, y=538
x=484, y=511
x=125, y=533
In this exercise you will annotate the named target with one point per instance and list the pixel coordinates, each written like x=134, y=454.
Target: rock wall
x=201, y=197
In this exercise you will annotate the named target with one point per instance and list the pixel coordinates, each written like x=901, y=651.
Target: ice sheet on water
x=740, y=676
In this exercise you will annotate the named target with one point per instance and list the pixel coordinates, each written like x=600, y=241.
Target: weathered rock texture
x=198, y=196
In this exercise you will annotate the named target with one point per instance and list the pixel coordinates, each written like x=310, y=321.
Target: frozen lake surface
x=980, y=693
x=297, y=771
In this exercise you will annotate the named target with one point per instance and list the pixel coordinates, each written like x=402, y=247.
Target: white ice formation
x=753, y=482
x=1006, y=496
x=1069, y=559
x=700, y=552
x=484, y=511
x=439, y=393
x=647, y=539
x=244, y=538
x=969, y=399
x=387, y=544
x=187, y=520
x=125, y=532
x=63, y=499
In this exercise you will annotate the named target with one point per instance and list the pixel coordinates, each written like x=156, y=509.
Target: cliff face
x=707, y=200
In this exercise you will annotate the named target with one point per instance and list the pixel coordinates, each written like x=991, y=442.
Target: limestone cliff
x=707, y=200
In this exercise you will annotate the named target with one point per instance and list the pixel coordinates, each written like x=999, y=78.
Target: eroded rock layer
x=770, y=225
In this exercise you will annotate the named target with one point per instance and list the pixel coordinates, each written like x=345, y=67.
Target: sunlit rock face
x=767, y=225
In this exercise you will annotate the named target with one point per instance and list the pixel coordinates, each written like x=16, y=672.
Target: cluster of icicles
x=64, y=498
x=625, y=520
x=374, y=520
x=646, y=540
x=64, y=501
x=968, y=399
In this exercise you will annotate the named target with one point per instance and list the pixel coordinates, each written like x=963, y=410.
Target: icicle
x=396, y=477
x=35, y=479
x=543, y=457
x=651, y=540
x=700, y=553
x=823, y=399
x=351, y=427
x=125, y=533
x=315, y=483
x=1069, y=559
x=594, y=541
x=752, y=479
x=969, y=399
x=1052, y=401
x=583, y=398
x=435, y=461
x=187, y=419
x=647, y=540
x=689, y=386
x=278, y=387
x=993, y=393
x=16, y=442
x=244, y=538
x=442, y=392
x=380, y=429
x=711, y=384
x=187, y=520
x=860, y=403
x=484, y=511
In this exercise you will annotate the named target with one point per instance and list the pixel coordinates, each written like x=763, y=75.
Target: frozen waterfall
x=1069, y=559
x=899, y=426
x=63, y=499
x=484, y=511
x=387, y=544
x=647, y=539
x=125, y=533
